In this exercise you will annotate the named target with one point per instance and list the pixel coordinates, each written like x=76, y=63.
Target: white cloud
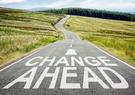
x=59, y=4
x=116, y=5
x=107, y=4
x=10, y=1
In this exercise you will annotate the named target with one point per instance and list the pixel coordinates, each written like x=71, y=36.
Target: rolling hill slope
x=22, y=31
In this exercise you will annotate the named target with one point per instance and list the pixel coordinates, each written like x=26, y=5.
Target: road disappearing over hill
x=68, y=67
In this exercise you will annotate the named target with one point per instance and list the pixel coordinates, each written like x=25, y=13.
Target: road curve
x=68, y=67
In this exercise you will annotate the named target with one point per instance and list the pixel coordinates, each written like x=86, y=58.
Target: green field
x=117, y=37
x=22, y=31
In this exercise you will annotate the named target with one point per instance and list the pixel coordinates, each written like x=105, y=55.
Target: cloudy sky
x=115, y=5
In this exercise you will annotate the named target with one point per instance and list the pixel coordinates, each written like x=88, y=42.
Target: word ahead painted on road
x=69, y=66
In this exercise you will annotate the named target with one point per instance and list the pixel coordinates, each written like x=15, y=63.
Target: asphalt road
x=68, y=67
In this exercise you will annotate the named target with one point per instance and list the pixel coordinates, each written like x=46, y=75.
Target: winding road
x=68, y=67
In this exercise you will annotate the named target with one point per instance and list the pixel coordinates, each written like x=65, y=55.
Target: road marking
x=70, y=61
x=71, y=52
x=45, y=73
x=70, y=73
x=111, y=55
x=65, y=75
x=94, y=78
x=28, y=63
x=71, y=45
x=23, y=78
x=26, y=56
x=63, y=61
x=121, y=85
x=16, y=62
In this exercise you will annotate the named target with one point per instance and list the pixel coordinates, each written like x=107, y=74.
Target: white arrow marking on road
x=71, y=52
x=71, y=45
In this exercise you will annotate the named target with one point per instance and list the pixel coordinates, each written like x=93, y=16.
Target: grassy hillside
x=21, y=32
x=118, y=37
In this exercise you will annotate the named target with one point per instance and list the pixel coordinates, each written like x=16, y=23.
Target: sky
x=113, y=5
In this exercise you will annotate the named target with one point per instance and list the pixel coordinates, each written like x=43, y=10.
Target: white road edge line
x=111, y=55
x=26, y=56
x=16, y=62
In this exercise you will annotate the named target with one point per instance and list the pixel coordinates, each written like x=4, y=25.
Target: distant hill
x=39, y=9
x=94, y=13
x=10, y=10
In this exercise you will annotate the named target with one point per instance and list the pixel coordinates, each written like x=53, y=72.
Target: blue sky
x=115, y=5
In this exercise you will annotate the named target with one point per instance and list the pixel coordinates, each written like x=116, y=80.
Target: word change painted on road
x=67, y=68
